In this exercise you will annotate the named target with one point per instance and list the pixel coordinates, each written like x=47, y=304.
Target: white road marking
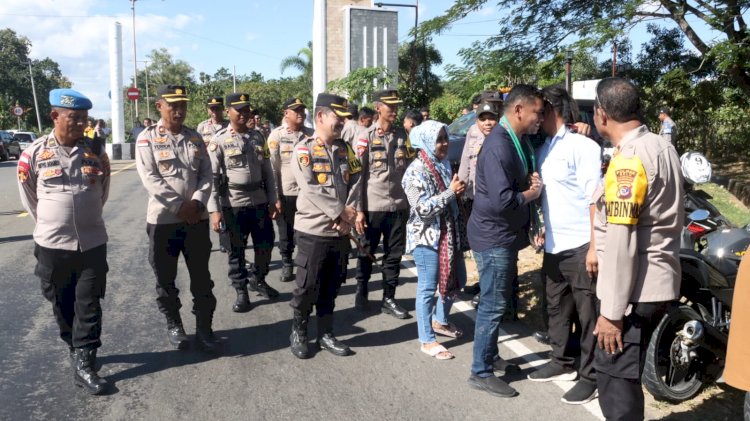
x=512, y=342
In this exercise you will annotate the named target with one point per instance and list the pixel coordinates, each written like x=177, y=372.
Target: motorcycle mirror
x=699, y=215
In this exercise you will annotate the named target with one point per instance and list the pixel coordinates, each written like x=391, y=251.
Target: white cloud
x=251, y=36
x=72, y=33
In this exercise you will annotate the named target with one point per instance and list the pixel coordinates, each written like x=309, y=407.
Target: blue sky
x=251, y=35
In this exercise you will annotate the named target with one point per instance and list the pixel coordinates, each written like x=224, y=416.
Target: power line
x=225, y=44
x=57, y=16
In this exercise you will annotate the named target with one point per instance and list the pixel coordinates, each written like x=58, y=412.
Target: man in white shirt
x=570, y=167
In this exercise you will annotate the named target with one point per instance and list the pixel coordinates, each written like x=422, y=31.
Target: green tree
x=417, y=61
x=535, y=28
x=162, y=69
x=359, y=84
x=302, y=62
x=15, y=81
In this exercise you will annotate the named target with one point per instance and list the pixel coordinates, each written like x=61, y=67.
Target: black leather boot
x=360, y=298
x=298, y=337
x=85, y=375
x=390, y=306
x=176, y=333
x=204, y=335
x=242, y=303
x=327, y=341
x=287, y=269
x=260, y=286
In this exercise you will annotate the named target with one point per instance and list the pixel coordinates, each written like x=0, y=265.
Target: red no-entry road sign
x=133, y=94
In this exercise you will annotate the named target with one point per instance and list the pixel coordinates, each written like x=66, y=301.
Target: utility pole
x=135, y=60
x=36, y=104
x=614, y=58
x=568, y=70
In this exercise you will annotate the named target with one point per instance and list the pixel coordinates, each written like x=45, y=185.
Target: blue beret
x=68, y=98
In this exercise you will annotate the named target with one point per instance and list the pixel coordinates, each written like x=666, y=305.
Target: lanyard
x=521, y=154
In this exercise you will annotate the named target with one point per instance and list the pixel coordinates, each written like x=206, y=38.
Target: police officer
x=208, y=129
x=351, y=124
x=281, y=143
x=384, y=152
x=638, y=220
x=246, y=192
x=328, y=175
x=64, y=186
x=175, y=169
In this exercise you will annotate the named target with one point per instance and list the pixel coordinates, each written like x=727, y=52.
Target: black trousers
x=618, y=376
x=244, y=222
x=74, y=282
x=321, y=269
x=392, y=227
x=571, y=297
x=166, y=243
x=285, y=224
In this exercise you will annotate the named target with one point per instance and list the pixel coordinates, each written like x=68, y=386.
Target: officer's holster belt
x=246, y=187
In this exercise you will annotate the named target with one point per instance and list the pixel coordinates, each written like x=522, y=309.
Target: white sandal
x=438, y=352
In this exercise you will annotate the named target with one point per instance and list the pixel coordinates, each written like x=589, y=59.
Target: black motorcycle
x=688, y=347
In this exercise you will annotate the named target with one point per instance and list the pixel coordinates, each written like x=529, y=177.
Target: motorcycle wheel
x=661, y=377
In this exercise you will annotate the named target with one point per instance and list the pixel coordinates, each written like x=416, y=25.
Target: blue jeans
x=497, y=268
x=426, y=260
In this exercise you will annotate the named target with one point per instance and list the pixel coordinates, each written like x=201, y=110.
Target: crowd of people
x=610, y=236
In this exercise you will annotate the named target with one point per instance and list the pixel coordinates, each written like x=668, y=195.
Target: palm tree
x=302, y=62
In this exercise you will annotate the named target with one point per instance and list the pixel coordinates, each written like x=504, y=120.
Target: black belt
x=246, y=187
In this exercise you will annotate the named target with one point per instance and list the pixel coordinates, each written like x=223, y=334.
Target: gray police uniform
x=244, y=188
x=637, y=226
x=281, y=143
x=175, y=168
x=384, y=157
x=208, y=129
x=349, y=132
x=329, y=180
x=64, y=190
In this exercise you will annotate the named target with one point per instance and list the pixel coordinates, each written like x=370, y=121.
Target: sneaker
x=492, y=385
x=583, y=392
x=552, y=372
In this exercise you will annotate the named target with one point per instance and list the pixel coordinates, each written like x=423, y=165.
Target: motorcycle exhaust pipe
x=692, y=331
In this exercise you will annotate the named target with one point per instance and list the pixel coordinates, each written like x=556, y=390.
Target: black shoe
x=551, y=372
x=85, y=375
x=333, y=345
x=390, y=306
x=541, y=337
x=298, y=338
x=206, y=341
x=472, y=289
x=261, y=287
x=475, y=301
x=287, y=272
x=242, y=303
x=583, y=392
x=177, y=336
x=504, y=367
x=492, y=385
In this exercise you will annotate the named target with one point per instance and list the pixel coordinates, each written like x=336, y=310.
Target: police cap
x=336, y=103
x=68, y=98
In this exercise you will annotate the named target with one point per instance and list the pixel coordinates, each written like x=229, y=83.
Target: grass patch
x=729, y=206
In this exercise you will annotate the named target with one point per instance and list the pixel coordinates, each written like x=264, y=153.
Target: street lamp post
x=416, y=23
x=36, y=104
x=148, y=99
x=568, y=62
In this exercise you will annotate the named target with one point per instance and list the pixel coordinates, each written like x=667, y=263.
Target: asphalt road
x=255, y=377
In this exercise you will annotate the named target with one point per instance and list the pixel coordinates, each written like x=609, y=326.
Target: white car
x=25, y=139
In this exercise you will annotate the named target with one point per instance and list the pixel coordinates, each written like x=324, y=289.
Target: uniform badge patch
x=320, y=153
x=165, y=154
x=322, y=178
x=303, y=157
x=22, y=176
x=377, y=142
x=164, y=166
x=377, y=155
x=400, y=153
x=377, y=164
x=625, y=190
x=212, y=146
x=47, y=154
x=52, y=172
x=160, y=139
x=273, y=144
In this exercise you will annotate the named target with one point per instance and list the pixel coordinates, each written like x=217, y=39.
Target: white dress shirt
x=570, y=166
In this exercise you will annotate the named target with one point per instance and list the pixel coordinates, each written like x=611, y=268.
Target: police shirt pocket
x=51, y=179
x=234, y=158
x=167, y=162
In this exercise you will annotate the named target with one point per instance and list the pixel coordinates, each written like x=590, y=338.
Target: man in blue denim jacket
x=505, y=183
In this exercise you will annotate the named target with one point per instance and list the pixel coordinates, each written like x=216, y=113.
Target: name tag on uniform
x=233, y=152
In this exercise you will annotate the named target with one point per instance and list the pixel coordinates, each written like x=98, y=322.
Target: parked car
x=457, y=137
x=25, y=139
x=9, y=147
